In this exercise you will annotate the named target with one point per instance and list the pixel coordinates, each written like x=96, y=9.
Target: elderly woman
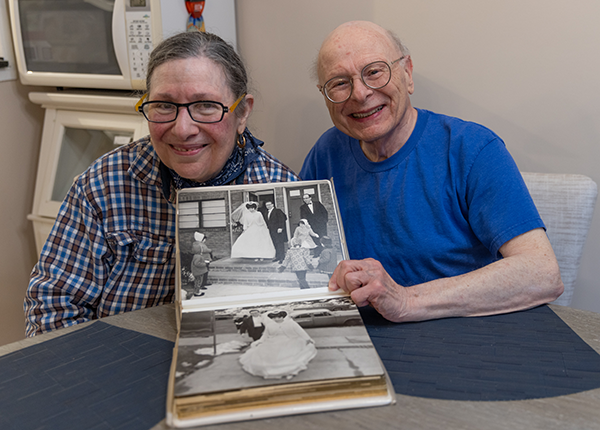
x=111, y=249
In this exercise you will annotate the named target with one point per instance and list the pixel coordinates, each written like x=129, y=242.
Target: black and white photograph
x=249, y=347
x=257, y=239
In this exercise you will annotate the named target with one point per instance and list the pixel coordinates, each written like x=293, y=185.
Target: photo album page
x=259, y=332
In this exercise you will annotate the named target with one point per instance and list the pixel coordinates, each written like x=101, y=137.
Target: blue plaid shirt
x=112, y=247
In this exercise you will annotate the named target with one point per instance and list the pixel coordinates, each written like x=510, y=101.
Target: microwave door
x=71, y=43
x=121, y=42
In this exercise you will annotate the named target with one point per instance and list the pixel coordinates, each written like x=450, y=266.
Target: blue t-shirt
x=443, y=205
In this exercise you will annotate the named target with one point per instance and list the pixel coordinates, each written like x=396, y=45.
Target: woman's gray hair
x=198, y=44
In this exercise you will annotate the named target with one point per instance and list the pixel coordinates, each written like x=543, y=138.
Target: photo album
x=259, y=333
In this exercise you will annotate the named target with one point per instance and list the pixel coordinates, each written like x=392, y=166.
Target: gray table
x=574, y=411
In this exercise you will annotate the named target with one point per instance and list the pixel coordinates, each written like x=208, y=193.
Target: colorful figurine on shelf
x=195, y=20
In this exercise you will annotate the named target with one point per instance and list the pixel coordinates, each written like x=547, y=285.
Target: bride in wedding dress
x=283, y=350
x=255, y=241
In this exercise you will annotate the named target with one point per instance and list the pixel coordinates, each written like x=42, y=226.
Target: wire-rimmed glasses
x=204, y=111
x=374, y=75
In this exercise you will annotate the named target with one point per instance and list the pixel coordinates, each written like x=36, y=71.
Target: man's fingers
x=338, y=278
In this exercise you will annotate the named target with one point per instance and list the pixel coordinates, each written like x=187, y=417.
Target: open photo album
x=259, y=333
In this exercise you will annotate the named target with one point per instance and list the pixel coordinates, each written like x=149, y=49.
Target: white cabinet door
x=71, y=141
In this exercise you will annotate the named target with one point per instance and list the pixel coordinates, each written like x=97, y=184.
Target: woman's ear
x=248, y=106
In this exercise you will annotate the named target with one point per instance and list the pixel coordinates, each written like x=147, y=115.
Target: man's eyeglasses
x=204, y=111
x=374, y=75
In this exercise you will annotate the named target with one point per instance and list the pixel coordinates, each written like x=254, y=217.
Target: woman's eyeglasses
x=204, y=111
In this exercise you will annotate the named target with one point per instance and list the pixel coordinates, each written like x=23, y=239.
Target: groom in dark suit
x=275, y=219
x=253, y=325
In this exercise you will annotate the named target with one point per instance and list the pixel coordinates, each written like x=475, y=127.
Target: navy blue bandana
x=233, y=171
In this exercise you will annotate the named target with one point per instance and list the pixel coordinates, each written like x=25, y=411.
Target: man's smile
x=366, y=114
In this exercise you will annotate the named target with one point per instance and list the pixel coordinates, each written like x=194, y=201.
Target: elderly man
x=438, y=220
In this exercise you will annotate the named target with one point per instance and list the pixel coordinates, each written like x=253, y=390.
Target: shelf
x=85, y=102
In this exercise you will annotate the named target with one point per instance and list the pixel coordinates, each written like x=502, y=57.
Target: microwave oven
x=101, y=44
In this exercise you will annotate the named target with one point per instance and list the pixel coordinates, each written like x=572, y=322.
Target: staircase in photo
x=246, y=271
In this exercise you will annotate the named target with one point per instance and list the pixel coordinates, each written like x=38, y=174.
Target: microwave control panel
x=139, y=36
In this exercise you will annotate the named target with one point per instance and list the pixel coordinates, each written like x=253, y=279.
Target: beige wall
x=20, y=131
x=527, y=69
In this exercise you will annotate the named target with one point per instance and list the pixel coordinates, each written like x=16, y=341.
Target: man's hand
x=369, y=284
x=527, y=276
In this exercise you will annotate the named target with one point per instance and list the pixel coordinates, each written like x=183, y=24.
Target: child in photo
x=298, y=260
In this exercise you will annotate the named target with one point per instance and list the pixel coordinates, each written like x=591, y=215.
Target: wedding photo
x=262, y=238
x=273, y=344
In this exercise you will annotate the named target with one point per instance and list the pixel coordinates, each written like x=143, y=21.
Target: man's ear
x=408, y=70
